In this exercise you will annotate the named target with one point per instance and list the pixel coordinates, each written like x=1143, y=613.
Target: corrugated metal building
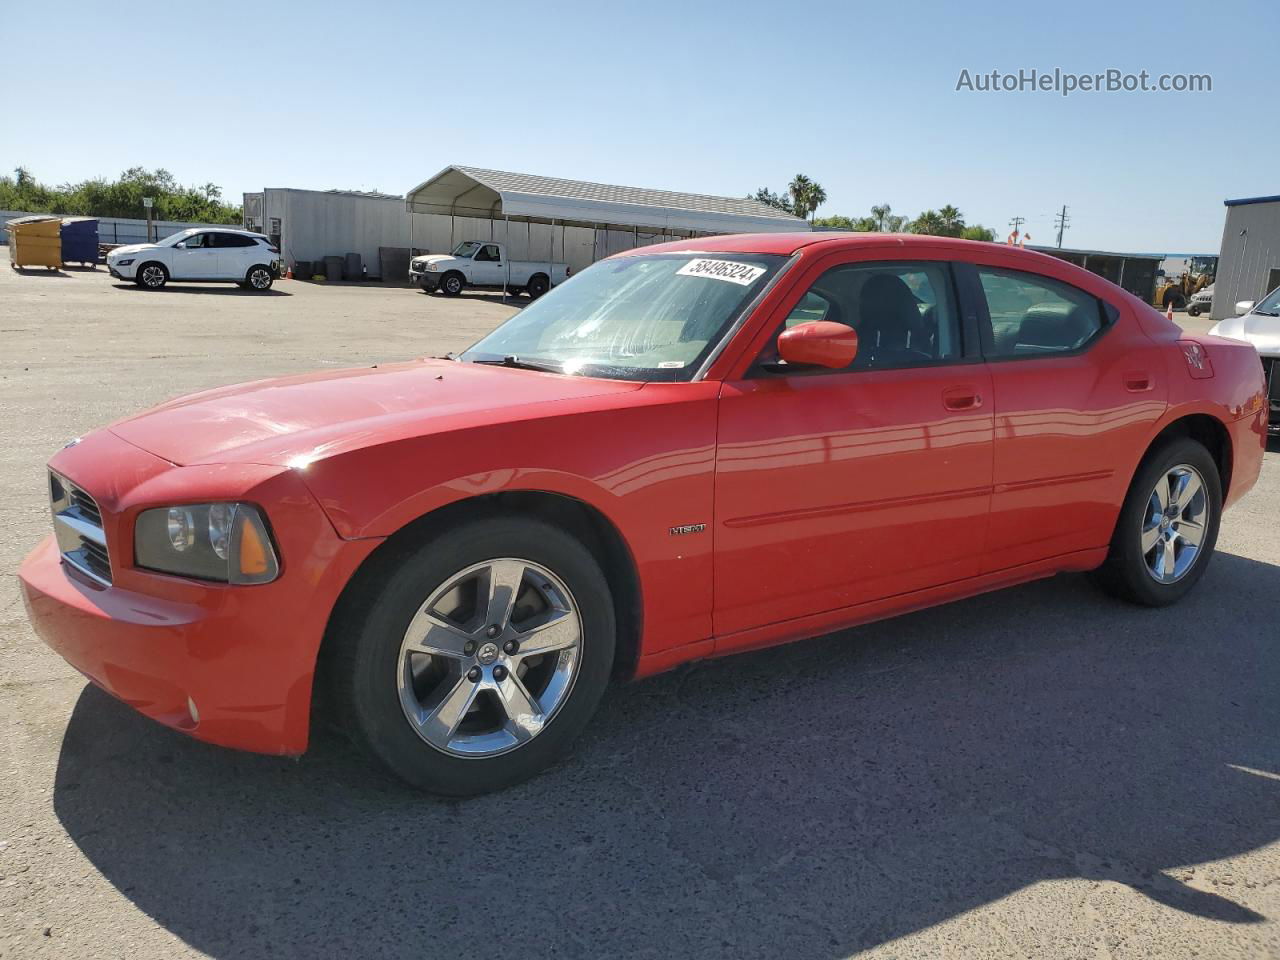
x=537, y=217
x=1249, y=262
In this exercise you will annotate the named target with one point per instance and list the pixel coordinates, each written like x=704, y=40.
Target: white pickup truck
x=475, y=263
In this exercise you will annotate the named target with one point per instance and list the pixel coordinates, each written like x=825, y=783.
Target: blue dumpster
x=80, y=240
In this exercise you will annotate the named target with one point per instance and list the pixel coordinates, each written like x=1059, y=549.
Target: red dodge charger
x=685, y=451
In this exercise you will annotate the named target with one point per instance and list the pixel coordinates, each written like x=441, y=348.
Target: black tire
x=1125, y=573
x=367, y=639
x=538, y=285
x=452, y=283
x=1193, y=310
x=514, y=291
x=151, y=276
x=259, y=278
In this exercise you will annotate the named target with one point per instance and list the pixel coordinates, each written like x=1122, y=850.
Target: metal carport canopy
x=495, y=194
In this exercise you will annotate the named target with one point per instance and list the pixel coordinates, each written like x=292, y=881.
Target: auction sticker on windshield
x=743, y=274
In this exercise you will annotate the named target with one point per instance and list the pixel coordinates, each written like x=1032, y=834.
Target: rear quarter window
x=1034, y=316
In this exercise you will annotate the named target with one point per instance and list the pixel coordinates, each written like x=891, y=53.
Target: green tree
x=978, y=232
x=806, y=196
x=929, y=223
x=119, y=198
x=767, y=196
x=952, y=221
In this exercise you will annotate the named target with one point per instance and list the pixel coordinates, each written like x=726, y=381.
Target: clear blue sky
x=707, y=97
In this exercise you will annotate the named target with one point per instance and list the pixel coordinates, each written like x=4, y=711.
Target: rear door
x=1077, y=387
x=839, y=487
x=194, y=258
x=236, y=254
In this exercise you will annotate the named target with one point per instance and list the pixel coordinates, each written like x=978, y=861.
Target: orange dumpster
x=35, y=242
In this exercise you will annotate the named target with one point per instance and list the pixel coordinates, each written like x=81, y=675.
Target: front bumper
x=426, y=280
x=122, y=273
x=243, y=656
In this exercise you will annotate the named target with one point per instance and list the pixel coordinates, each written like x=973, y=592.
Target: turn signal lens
x=253, y=553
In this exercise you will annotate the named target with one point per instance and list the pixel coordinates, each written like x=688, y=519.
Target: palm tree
x=952, y=220
x=928, y=222
x=806, y=196
x=880, y=214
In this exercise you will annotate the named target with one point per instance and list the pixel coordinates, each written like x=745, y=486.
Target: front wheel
x=1193, y=310
x=451, y=284
x=476, y=659
x=152, y=276
x=1168, y=526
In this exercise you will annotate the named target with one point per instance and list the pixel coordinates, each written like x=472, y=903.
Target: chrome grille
x=77, y=525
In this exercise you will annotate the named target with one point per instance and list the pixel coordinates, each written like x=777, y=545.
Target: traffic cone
x=288, y=275
x=1169, y=312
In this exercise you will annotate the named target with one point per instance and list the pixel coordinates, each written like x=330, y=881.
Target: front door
x=838, y=487
x=487, y=268
x=194, y=258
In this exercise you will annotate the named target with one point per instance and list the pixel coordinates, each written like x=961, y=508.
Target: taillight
x=1197, y=357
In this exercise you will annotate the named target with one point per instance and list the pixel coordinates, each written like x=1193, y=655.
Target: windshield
x=646, y=317
x=173, y=238
x=467, y=248
x=1270, y=305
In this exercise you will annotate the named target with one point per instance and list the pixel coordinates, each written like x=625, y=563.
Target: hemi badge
x=684, y=528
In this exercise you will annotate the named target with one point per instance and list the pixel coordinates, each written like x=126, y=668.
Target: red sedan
x=685, y=451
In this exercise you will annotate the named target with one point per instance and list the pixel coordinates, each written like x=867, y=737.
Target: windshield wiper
x=518, y=363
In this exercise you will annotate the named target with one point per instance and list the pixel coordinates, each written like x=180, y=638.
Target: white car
x=1201, y=302
x=1259, y=324
x=199, y=255
x=475, y=263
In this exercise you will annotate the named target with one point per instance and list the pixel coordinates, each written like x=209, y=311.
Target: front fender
x=646, y=466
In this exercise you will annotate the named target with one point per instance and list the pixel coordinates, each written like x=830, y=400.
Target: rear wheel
x=538, y=285
x=1168, y=526
x=259, y=278
x=480, y=657
x=152, y=276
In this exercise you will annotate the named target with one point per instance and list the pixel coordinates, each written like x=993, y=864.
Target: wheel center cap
x=487, y=654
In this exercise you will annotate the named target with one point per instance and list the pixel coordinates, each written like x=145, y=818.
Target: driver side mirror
x=181, y=244
x=820, y=343
x=1243, y=307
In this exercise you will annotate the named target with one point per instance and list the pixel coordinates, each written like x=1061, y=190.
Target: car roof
x=790, y=243
x=243, y=233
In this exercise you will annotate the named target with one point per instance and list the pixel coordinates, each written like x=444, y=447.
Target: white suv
x=197, y=256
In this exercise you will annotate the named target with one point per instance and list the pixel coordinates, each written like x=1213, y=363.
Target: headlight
x=227, y=542
x=125, y=262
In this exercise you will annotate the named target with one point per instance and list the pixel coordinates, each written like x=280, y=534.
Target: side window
x=905, y=313
x=488, y=254
x=235, y=240
x=1032, y=316
x=197, y=241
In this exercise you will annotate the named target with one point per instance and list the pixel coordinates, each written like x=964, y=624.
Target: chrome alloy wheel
x=153, y=276
x=260, y=279
x=1175, y=523
x=489, y=658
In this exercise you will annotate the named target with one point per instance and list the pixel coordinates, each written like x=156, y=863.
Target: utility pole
x=1063, y=221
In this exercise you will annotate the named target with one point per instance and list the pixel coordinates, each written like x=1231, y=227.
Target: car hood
x=132, y=248
x=1261, y=331
x=435, y=258
x=294, y=421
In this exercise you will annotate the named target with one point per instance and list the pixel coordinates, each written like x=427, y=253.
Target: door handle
x=961, y=398
x=1137, y=381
